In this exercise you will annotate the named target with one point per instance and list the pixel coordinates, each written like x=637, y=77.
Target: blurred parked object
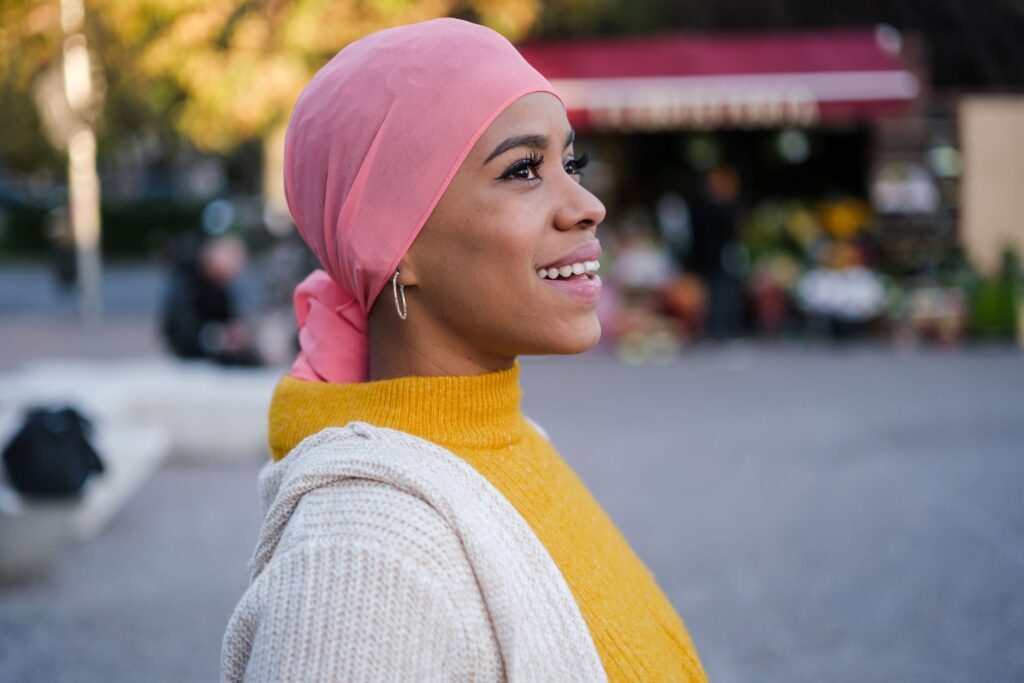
x=44, y=455
x=51, y=455
x=199, y=318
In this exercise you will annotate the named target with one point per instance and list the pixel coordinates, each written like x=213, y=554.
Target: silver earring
x=403, y=310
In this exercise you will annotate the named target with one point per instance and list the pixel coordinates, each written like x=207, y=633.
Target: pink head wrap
x=373, y=141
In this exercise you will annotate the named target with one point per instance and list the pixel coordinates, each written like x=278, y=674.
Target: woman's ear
x=407, y=270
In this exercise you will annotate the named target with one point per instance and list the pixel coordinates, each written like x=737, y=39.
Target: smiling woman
x=475, y=298
x=417, y=525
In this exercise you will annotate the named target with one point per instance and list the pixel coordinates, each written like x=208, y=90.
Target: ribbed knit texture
x=638, y=634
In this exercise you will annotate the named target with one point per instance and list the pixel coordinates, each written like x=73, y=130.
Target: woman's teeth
x=568, y=271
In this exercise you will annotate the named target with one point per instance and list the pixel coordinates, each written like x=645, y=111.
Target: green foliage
x=142, y=228
x=132, y=230
x=21, y=230
x=994, y=301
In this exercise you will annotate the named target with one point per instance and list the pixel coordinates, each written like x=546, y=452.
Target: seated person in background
x=198, y=318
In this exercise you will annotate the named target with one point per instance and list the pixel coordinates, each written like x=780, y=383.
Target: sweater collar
x=477, y=411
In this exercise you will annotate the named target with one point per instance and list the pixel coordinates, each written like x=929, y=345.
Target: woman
x=418, y=527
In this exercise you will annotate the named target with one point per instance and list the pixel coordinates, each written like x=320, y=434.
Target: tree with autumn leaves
x=221, y=72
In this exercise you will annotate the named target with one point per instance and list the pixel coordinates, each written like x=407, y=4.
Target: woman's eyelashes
x=578, y=164
x=522, y=169
x=524, y=166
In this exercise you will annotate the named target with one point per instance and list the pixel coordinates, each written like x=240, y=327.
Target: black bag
x=51, y=455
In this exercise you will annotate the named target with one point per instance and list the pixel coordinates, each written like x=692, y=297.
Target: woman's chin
x=582, y=338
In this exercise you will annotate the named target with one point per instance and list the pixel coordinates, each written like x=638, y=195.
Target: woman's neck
x=407, y=348
x=479, y=411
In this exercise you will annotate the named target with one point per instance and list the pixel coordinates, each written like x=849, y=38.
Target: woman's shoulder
x=359, y=515
x=376, y=516
x=370, y=577
x=360, y=485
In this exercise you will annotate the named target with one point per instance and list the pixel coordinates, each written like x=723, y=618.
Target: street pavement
x=814, y=514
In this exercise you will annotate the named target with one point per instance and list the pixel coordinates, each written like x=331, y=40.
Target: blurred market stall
x=797, y=183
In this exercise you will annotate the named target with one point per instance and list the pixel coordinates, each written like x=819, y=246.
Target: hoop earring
x=403, y=310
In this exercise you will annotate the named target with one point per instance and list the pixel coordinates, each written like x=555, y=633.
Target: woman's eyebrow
x=529, y=140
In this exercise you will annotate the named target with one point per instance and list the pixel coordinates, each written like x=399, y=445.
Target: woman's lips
x=586, y=287
x=588, y=251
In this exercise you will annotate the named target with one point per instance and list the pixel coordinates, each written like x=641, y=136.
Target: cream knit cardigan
x=384, y=557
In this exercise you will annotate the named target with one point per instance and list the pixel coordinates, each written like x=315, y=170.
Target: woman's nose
x=579, y=208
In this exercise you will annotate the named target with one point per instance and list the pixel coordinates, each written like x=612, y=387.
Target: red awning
x=756, y=80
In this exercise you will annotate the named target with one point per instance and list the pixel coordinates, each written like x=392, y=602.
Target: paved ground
x=814, y=516
x=817, y=517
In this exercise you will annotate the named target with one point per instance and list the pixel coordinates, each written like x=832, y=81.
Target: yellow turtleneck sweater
x=638, y=634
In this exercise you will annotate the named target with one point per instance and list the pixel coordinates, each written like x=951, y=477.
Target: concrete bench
x=33, y=531
x=143, y=412
x=211, y=414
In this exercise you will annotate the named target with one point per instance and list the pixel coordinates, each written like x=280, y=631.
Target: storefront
x=695, y=82
x=795, y=117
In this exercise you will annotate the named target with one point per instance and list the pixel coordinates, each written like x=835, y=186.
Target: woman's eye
x=524, y=169
x=576, y=166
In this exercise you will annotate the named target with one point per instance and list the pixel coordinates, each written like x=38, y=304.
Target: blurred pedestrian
x=199, y=317
x=716, y=252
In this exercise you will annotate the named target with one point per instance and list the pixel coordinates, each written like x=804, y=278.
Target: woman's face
x=514, y=208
